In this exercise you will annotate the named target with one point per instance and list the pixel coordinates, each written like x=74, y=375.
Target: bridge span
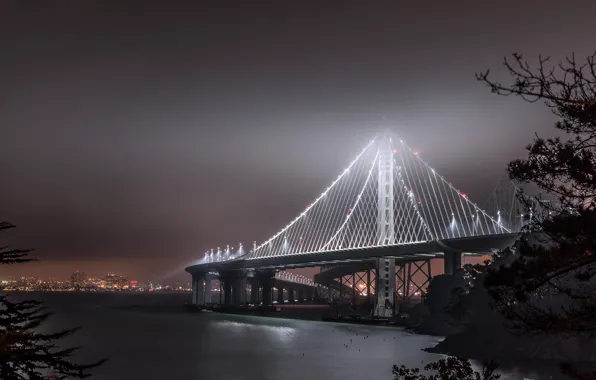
x=383, y=219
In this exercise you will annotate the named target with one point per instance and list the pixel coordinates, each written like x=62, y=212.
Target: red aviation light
x=464, y=195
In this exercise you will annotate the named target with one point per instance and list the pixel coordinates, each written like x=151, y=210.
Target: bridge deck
x=474, y=245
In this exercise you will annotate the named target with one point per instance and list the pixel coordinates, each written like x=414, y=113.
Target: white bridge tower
x=385, y=276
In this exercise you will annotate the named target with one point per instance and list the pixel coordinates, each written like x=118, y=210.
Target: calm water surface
x=150, y=336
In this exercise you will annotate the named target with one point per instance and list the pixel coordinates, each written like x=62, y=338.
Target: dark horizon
x=137, y=137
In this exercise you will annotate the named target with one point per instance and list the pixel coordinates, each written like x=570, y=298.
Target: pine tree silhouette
x=25, y=353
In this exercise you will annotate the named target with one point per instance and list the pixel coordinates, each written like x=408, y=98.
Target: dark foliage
x=447, y=369
x=561, y=270
x=12, y=256
x=566, y=166
x=550, y=287
x=561, y=260
x=457, y=309
x=24, y=352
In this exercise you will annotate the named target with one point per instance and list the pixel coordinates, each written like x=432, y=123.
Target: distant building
x=117, y=282
x=78, y=279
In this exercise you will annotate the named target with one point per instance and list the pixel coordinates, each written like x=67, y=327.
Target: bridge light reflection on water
x=284, y=334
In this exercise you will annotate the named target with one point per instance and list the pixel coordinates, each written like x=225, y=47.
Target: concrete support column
x=227, y=290
x=201, y=291
x=368, y=296
x=353, y=288
x=301, y=294
x=195, y=289
x=267, y=287
x=291, y=295
x=385, y=287
x=452, y=262
x=280, y=294
x=220, y=292
x=266, y=279
x=198, y=289
x=239, y=292
x=208, y=286
x=254, y=291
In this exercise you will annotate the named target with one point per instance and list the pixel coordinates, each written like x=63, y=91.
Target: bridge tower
x=385, y=278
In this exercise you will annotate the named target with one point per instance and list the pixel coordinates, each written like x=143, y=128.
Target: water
x=150, y=336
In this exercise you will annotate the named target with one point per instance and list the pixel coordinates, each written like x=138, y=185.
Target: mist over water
x=151, y=336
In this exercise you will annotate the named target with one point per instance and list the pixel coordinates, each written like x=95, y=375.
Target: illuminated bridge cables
x=345, y=242
x=448, y=212
x=300, y=235
x=339, y=205
x=410, y=225
x=414, y=189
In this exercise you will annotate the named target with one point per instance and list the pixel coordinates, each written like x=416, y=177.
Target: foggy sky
x=136, y=135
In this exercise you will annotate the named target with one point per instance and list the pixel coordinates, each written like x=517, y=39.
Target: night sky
x=136, y=135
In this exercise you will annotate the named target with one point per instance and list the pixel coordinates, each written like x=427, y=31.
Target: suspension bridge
x=376, y=226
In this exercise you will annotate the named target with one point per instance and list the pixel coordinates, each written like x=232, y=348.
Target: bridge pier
x=208, y=288
x=280, y=294
x=291, y=295
x=354, y=286
x=227, y=293
x=198, y=288
x=239, y=289
x=254, y=290
x=267, y=293
x=266, y=279
x=234, y=287
x=195, y=290
x=452, y=262
x=385, y=288
x=368, y=290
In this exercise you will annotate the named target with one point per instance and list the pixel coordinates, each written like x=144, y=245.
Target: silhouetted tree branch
x=12, y=256
x=24, y=352
x=564, y=263
x=549, y=287
x=565, y=167
x=447, y=369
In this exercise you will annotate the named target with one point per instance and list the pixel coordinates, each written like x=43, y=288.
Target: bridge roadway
x=235, y=273
x=477, y=245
